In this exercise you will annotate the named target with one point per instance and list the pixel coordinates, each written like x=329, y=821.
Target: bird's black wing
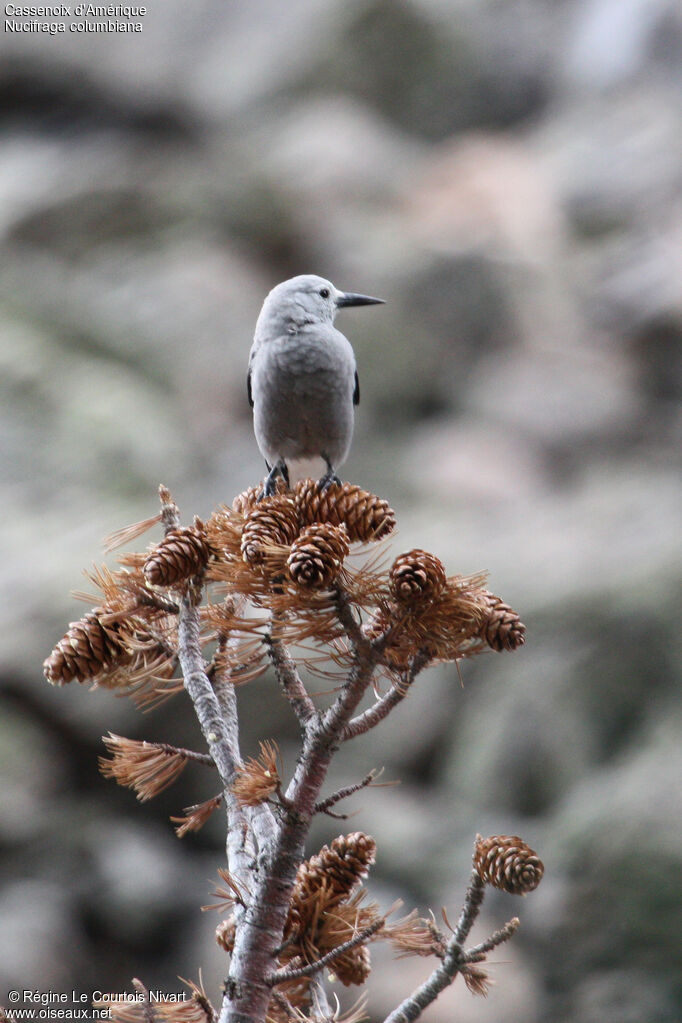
x=248, y=388
x=356, y=392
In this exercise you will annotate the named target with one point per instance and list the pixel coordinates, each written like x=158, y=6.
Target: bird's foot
x=270, y=485
x=327, y=480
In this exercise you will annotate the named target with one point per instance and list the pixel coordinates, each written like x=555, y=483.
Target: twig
x=379, y=710
x=289, y=680
x=444, y=974
x=260, y=817
x=453, y=963
x=218, y=723
x=470, y=910
x=325, y=804
x=281, y=796
x=351, y=626
x=202, y=694
x=188, y=754
x=504, y=934
x=147, y=1007
x=170, y=516
x=306, y=971
x=321, y=1006
x=147, y=598
x=453, y=960
x=284, y=1003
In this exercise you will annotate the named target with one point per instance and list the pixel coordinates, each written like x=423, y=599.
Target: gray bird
x=303, y=382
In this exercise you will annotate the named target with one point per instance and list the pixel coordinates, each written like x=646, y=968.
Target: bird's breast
x=303, y=367
x=303, y=396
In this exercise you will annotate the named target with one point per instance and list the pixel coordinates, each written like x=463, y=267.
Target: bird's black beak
x=348, y=298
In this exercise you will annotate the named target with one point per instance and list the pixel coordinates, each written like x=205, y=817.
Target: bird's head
x=309, y=299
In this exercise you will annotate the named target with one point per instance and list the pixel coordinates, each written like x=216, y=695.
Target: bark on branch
x=261, y=932
x=307, y=971
x=289, y=680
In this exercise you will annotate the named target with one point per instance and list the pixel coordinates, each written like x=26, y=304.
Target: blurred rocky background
x=507, y=174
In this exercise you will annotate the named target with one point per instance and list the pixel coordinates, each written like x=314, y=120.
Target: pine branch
x=188, y=754
x=208, y=710
x=453, y=962
x=479, y=952
x=260, y=817
x=378, y=711
x=347, y=618
x=473, y=901
x=289, y=680
x=218, y=722
x=325, y=805
x=310, y=968
x=321, y=1006
x=444, y=974
x=262, y=927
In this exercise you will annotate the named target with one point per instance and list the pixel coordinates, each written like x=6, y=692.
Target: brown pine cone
x=248, y=499
x=502, y=628
x=365, y=516
x=506, y=862
x=339, y=866
x=317, y=555
x=329, y=877
x=274, y=520
x=353, y=966
x=181, y=554
x=87, y=649
x=416, y=575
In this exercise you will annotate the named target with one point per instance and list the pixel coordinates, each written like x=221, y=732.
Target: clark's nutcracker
x=302, y=381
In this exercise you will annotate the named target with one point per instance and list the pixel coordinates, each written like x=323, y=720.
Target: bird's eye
x=324, y=292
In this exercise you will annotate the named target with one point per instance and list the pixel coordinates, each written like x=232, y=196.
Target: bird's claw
x=327, y=480
x=270, y=485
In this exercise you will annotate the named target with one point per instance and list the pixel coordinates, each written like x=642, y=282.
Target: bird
x=302, y=379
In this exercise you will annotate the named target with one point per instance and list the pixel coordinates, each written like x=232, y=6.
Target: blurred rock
x=614, y=40
x=614, y=159
x=429, y=74
x=37, y=921
x=615, y=841
x=135, y=870
x=561, y=397
x=484, y=192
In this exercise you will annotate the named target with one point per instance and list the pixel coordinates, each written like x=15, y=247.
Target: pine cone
x=502, y=628
x=248, y=499
x=506, y=862
x=181, y=554
x=88, y=648
x=317, y=555
x=354, y=966
x=225, y=934
x=340, y=866
x=273, y=520
x=416, y=575
x=365, y=516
